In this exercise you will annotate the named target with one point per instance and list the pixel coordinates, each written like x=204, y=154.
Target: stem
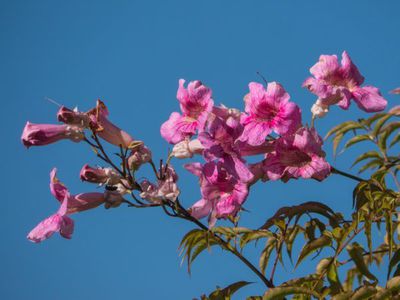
x=227, y=246
x=356, y=178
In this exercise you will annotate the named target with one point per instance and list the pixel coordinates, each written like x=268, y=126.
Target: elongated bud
x=44, y=134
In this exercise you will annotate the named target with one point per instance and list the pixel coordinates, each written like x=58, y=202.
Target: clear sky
x=131, y=54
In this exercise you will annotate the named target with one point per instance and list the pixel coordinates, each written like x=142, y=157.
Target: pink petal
x=177, y=128
x=58, y=190
x=349, y=71
x=369, y=99
x=201, y=208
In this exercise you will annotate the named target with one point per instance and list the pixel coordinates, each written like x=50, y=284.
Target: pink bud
x=99, y=175
x=186, y=149
x=44, y=134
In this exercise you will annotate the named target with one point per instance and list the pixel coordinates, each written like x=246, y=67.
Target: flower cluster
x=270, y=128
x=116, y=182
x=270, y=125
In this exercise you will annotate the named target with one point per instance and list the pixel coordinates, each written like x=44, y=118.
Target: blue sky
x=131, y=54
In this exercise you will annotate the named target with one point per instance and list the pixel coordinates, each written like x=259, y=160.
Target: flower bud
x=319, y=109
x=44, y=134
x=99, y=175
x=186, y=149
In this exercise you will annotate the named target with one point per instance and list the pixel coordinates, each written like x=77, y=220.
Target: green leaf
x=266, y=253
x=356, y=139
x=370, y=120
x=226, y=293
x=379, y=124
x=290, y=240
x=395, y=140
x=254, y=235
x=375, y=163
x=367, y=224
x=393, y=262
x=386, y=132
x=366, y=155
x=305, y=208
x=312, y=246
x=389, y=231
x=392, y=286
x=343, y=128
x=356, y=253
x=280, y=292
x=364, y=292
x=333, y=278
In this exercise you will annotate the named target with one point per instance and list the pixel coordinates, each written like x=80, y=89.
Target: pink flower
x=298, y=155
x=220, y=142
x=165, y=189
x=338, y=84
x=44, y=134
x=267, y=111
x=99, y=175
x=59, y=222
x=139, y=156
x=107, y=130
x=223, y=194
x=195, y=104
x=76, y=203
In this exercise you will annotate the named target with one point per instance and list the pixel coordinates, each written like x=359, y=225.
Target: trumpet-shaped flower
x=220, y=142
x=107, y=130
x=44, y=134
x=339, y=84
x=223, y=194
x=195, y=103
x=58, y=222
x=298, y=155
x=268, y=111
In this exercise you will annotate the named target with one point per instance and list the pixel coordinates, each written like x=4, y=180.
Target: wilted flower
x=139, y=156
x=267, y=111
x=195, y=103
x=73, y=117
x=165, y=189
x=338, y=84
x=44, y=134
